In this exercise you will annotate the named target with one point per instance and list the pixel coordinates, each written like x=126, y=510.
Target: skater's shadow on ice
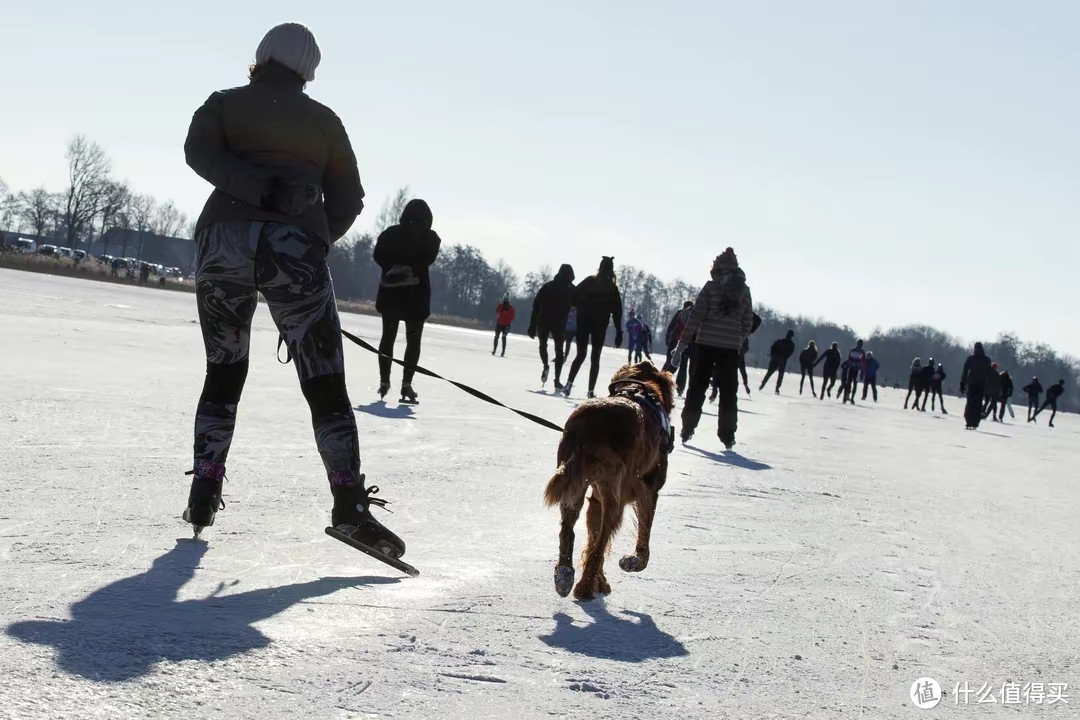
x=122, y=630
x=379, y=408
x=731, y=458
x=634, y=638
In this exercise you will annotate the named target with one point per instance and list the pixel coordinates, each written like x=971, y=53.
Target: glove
x=618, y=339
x=290, y=198
x=532, y=332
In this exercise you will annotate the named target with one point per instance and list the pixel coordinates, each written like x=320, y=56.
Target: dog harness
x=646, y=397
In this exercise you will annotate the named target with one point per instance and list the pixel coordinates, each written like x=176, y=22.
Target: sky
x=874, y=163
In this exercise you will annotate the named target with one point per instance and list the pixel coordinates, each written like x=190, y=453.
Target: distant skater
x=598, y=302
x=870, y=371
x=807, y=358
x=1034, y=391
x=991, y=394
x=926, y=379
x=973, y=381
x=914, y=384
x=1007, y=390
x=671, y=340
x=936, y=395
x=779, y=354
x=635, y=341
x=831, y=359
x=1052, y=394
x=856, y=356
x=504, y=317
x=550, y=311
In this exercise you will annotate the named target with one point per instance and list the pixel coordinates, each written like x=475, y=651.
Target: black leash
x=461, y=386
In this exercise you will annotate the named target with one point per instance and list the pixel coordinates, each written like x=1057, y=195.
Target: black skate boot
x=204, y=498
x=728, y=440
x=685, y=435
x=566, y=389
x=591, y=395
x=408, y=395
x=544, y=377
x=384, y=388
x=352, y=516
x=558, y=383
x=713, y=395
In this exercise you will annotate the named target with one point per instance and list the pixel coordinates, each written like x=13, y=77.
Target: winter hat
x=418, y=213
x=566, y=272
x=292, y=45
x=607, y=266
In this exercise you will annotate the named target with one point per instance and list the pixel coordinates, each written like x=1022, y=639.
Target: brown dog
x=619, y=445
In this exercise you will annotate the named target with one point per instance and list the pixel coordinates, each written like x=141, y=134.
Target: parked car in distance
x=50, y=250
x=79, y=254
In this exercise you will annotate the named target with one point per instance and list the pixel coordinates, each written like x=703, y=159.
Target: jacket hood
x=790, y=334
x=417, y=213
x=607, y=267
x=565, y=274
x=979, y=349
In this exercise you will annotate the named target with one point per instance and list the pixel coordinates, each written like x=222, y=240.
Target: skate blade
x=368, y=550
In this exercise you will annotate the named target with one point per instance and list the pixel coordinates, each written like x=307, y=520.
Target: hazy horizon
x=871, y=166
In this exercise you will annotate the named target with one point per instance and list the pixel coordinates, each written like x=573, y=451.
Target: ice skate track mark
x=474, y=678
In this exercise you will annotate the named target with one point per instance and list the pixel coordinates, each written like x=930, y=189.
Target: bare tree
x=166, y=219
x=141, y=210
x=38, y=210
x=391, y=210
x=88, y=173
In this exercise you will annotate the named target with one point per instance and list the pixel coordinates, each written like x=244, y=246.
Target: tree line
x=92, y=202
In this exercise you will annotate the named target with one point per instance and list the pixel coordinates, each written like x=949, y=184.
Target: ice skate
x=352, y=517
x=204, y=498
x=384, y=388
x=544, y=378
x=408, y=395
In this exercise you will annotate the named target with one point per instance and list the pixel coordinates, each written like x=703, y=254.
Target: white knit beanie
x=294, y=46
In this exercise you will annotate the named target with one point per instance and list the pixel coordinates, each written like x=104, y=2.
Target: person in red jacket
x=504, y=317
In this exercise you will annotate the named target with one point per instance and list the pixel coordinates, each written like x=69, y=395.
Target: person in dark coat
x=870, y=371
x=1052, y=394
x=1007, y=390
x=1034, y=390
x=926, y=379
x=504, y=318
x=671, y=340
x=914, y=385
x=973, y=380
x=935, y=392
x=992, y=393
x=405, y=253
x=550, y=311
x=745, y=349
x=598, y=302
x=779, y=353
x=807, y=358
x=286, y=186
x=856, y=358
x=831, y=359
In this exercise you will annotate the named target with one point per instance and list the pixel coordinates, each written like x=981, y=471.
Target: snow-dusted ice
x=843, y=553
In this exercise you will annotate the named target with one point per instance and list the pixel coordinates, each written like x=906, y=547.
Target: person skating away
x=635, y=342
x=571, y=331
x=973, y=379
x=832, y=360
x=914, y=384
x=1007, y=390
x=598, y=302
x=742, y=354
x=870, y=371
x=779, y=354
x=935, y=392
x=671, y=340
x=855, y=359
x=1034, y=390
x=1052, y=394
x=722, y=319
x=807, y=358
x=405, y=253
x=992, y=393
x=286, y=186
x=646, y=338
x=504, y=318
x=926, y=379
x=550, y=311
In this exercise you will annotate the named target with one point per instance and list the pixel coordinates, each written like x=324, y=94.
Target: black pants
x=234, y=263
x=500, y=330
x=990, y=408
x=778, y=367
x=935, y=395
x=1048, y=404
x=560, y=356
x=1033, y=404
x=914, y=387
x=725, y=364
x=974, y=408
x=869, y=384
x=742, y=372
x=851, y=385
x=585, y=337
x=414, y=331
x=807, y=370
x=828, y=382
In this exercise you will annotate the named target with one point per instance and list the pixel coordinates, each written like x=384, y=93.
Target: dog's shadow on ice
x=379, y=408
x=634, y=638
x=119, y=632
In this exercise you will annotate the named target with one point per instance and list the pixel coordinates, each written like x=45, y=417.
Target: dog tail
x=568, y=482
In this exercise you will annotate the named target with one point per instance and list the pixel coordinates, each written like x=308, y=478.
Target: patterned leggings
x=236, y=261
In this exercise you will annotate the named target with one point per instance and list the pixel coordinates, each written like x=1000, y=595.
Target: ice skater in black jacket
x=832, y=359
x=807, y=358
x=549, y=313
x=598, y=302
x=1052, y=394
x=1034, y=390
x=779, y=354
